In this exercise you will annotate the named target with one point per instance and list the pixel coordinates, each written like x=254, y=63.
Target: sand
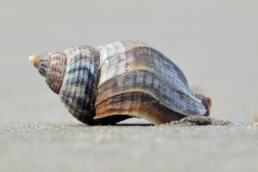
x=213, y=43
x=47, y=146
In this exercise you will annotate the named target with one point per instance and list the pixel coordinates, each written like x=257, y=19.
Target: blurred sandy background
x=214, y=42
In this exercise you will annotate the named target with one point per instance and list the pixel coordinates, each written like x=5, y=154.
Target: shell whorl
x=56, y=71
x=136, y=73
x=79, y=88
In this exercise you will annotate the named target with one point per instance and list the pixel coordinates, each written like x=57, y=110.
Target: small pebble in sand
x=200, y=120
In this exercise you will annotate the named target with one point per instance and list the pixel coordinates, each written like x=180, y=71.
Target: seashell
x=110, y=83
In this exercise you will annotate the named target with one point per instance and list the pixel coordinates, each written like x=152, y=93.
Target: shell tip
x=35, y=60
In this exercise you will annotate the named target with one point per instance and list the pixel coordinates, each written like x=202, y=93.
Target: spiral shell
x=118, y=81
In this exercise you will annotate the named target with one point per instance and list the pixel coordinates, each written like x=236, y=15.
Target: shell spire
x=52, y=66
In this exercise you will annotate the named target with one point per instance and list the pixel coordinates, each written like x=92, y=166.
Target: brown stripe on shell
x=136, y=104
x=56, y=71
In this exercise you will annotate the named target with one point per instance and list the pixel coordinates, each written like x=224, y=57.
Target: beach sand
x=48, y=146
x=213, y=43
